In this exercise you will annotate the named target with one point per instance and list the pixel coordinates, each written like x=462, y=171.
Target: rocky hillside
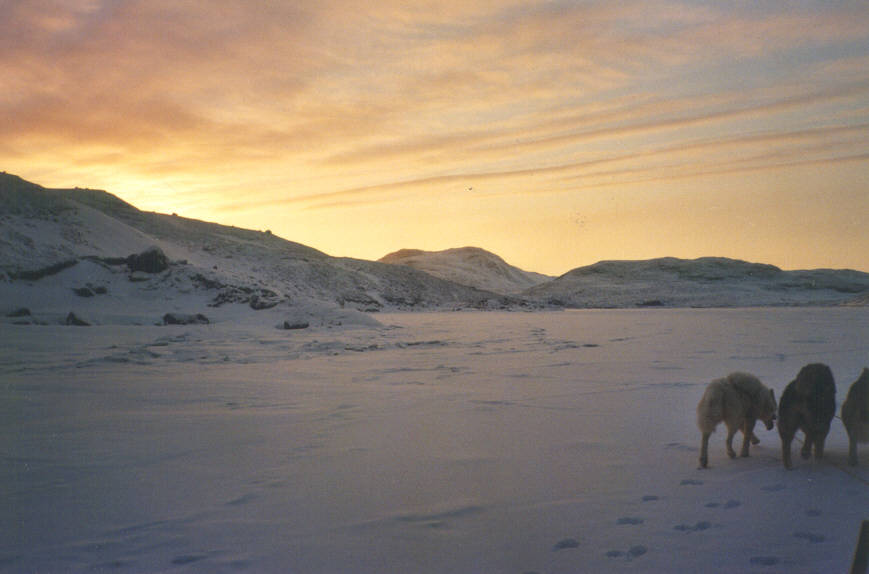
x=470, y=266
x=45, y=233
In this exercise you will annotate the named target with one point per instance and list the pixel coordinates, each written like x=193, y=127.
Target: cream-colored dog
x=738, y=400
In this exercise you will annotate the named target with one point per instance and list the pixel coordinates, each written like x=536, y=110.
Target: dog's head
x=768, y=410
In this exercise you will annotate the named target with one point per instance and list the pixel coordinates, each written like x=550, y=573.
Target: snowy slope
x=53, y=241
x=704, y=282
x=469, y=266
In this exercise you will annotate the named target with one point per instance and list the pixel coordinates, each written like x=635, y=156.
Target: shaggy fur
x=738, y=400
x=807, y=404
x=855, y=415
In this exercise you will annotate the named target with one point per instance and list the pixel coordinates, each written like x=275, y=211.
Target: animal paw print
x=565, y=544
x=633, y=520
x=697, y=527
x=810, y=536
x=633, y=552
x=727, y=505
x=763, y=560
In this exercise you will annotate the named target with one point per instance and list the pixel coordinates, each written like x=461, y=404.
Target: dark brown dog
x=855, y=415
x=807, y=404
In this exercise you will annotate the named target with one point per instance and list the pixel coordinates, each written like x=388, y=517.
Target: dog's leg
x=806, y=451
x=754, y=439
x=730, y=452
x=704, y=450
x=747, y=433
x=786, y=449
x=819, y=446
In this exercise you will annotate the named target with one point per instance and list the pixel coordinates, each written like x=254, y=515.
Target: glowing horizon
x=554, y=134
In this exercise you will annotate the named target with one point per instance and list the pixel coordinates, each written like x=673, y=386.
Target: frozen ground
x=441, y=442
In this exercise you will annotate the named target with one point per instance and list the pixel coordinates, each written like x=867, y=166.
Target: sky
x=555, y=134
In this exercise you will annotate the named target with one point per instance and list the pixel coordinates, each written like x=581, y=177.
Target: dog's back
x=815, y=384
x=808, y=403
x=855, y=414
x=811, y=396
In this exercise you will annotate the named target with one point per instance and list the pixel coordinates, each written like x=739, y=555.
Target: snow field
x=437, y=442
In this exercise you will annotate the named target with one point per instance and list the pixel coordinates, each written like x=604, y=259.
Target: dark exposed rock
x=75, y=320
x=185, y=319
x=20, y=312
x=265, y=299
x=152, y=260
x=83, y=291
x=291, y=325
x=36, y=274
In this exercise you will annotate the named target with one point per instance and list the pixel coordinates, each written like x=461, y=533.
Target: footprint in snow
x=727, y=505
x=633, y=552
x=243, y=499
x=697, y=527
x=690, y=482
x=188, y=559
x=810, y=536
x=813, y=512
x=629, y=520
x=650, y=497
x=565, y=544
x=764, y=560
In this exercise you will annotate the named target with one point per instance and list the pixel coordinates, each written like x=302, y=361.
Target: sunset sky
x=554, y=134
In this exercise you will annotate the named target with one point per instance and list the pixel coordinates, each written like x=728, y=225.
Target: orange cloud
x=332, y=105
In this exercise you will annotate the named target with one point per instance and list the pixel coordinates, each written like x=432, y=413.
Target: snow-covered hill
x=55, y=243
x=704, y=282
x=470, y=266
x=69, y=250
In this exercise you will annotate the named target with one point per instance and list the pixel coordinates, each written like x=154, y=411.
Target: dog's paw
x=810, y=536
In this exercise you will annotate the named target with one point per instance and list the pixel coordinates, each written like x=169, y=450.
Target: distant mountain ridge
x=702, y=282
x=470, y=266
